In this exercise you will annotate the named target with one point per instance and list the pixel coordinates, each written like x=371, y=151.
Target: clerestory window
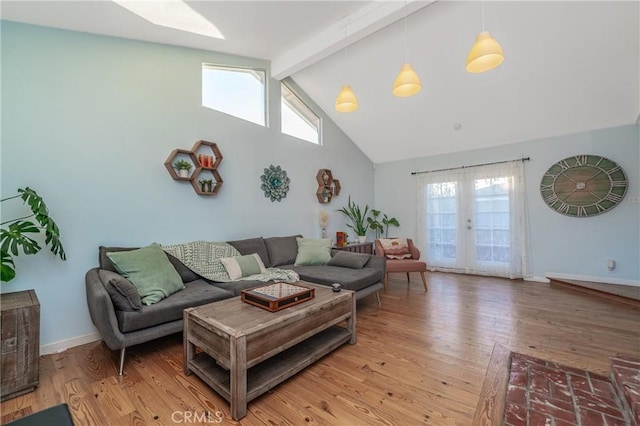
x=236, y=91
x=297, y=119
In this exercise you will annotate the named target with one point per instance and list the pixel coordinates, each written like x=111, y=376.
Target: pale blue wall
x=88, y=121
x=560, y=244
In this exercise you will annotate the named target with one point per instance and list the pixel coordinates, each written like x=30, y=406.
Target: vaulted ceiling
x=569, y=66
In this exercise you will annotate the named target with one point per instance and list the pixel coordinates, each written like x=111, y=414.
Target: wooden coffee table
x=239, y=342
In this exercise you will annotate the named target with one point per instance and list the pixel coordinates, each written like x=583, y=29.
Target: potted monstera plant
x=20, y=362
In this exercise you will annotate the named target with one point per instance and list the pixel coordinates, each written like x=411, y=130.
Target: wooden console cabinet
x=20, y=343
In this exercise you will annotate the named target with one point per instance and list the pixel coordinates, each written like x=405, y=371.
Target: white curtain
x=473, y=220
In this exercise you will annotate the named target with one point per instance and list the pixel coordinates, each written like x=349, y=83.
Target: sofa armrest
x=102, y=312
x=377, y=262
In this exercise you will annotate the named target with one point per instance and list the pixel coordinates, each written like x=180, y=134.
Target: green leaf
x=7, y=269
x=41, y=212
x=14, y=238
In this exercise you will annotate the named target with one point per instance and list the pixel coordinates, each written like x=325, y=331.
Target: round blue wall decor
x=275, y=183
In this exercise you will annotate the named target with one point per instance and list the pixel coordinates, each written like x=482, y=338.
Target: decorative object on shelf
x=583, y=185
x=336, y=187
x=206, y=166
x=183, y=167
x=357, y=217
x=15, y=237
x=205, y=160
x=341, y=239
x=327, y=186
x=206, y=185
x=275, y=183
x=324, y=219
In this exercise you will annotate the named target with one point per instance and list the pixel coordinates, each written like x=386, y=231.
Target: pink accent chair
x=404, y=265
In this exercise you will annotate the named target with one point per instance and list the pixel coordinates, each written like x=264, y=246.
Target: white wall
x=88, y=122
x=559, y=244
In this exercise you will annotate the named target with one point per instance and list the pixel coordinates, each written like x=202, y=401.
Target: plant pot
x=183, y=173
x=362, y=239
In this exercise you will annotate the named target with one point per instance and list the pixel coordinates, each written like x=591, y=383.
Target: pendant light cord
x=482, y=8
x=406, y=42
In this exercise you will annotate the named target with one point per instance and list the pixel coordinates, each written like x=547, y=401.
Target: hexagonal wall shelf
x=206, y=157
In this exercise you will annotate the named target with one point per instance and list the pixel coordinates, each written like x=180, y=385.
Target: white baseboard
x=536, y=279
x=601, y=280
x=63, y=345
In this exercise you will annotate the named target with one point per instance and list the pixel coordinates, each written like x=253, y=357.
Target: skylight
x=174, y=14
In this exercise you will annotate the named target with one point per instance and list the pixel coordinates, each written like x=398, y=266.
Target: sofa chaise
x=121, y=327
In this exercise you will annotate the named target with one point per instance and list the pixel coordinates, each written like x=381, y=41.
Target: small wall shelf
x=327, y=186
x=206, y=157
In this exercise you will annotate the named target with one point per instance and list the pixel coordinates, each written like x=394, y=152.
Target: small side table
x=357, y=248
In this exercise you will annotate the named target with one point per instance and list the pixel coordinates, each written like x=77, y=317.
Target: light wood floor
x=420, y=359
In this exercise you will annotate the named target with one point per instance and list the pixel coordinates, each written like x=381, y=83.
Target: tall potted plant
x=21, y=310
x=358, y=219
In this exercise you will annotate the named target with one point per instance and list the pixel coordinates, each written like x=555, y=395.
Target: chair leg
x=424, y=281
x=408, y=279
x=121, y=361
x=378, y=297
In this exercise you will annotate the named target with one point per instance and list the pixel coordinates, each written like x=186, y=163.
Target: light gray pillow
x=347, y=259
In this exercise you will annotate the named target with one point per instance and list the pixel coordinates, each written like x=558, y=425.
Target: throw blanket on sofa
x=203, y=258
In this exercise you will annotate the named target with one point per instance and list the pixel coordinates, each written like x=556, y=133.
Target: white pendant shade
x=407, y=82
x=346, y=100
x=485, y=54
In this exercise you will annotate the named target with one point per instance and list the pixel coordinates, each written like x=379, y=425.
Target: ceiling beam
x=350, y=29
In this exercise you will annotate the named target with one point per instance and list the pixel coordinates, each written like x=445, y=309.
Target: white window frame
x=302, y=110
x=259, y=74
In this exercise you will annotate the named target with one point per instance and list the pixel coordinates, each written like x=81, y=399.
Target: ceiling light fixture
x=486, y=52
x=407, y=82
x=174, y=14
x=346, y=100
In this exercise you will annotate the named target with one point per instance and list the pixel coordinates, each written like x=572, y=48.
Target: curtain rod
x=475, y=165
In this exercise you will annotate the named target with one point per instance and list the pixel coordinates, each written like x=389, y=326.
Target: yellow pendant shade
x=346, y=100
x=485, y=54
x=407, y=82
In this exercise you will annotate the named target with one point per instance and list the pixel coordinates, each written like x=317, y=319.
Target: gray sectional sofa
x=121, y=327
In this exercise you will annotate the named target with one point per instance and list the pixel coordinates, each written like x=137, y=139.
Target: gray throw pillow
x=124, y=295
x=349, y=260
x=252, y=245
x=282, y=250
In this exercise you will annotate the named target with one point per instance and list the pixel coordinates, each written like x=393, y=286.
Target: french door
x=472, y=220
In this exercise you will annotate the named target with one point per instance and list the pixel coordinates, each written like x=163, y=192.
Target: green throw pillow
x=243, y=266
x=313, y=251
x=150, y=270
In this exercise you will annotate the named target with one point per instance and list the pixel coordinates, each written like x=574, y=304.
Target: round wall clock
x=583, y=185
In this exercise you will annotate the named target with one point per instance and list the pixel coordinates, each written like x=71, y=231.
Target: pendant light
x=346, y=100
x=407, y=82
x=486, y=52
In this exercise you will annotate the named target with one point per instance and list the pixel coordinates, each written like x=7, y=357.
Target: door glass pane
x=491, y=207
x=442, y=220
